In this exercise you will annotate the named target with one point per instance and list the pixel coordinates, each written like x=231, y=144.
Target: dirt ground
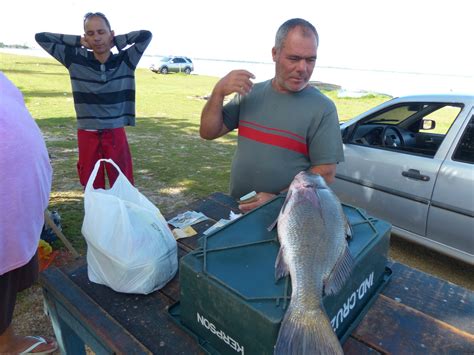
x=29, y=317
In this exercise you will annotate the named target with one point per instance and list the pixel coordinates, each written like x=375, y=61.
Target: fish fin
x=306, y=332
x=282, y=209
x=340, y=273
x=273, y=225
x=287, y=198
x=349, y=231
x=316, y=198
x=281, y=267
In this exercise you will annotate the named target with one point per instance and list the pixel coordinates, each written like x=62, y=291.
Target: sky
x=427, y=36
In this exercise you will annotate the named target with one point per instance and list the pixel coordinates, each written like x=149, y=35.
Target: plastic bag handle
x=93, y=175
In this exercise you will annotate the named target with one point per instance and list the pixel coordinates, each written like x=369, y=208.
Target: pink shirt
x=25, y=179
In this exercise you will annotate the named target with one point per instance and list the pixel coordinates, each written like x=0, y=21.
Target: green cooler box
x=229, y=297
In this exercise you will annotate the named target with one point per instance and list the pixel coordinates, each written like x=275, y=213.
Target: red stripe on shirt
x=273, y=129
x=273, y=139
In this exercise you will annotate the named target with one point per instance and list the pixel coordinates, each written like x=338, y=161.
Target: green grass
x=172, y=164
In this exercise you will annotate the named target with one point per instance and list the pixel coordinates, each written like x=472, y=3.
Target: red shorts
x=103, y=144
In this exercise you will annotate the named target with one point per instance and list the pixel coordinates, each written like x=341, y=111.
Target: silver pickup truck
x=410, y=161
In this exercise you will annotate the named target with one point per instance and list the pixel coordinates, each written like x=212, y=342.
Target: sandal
x=40, y=341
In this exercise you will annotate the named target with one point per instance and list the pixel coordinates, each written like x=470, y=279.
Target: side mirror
x=343, y=133
x=427, y=124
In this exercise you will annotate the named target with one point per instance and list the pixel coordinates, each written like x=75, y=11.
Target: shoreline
x=352, y=82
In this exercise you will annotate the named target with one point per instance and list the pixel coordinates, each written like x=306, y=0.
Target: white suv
x=173, y=64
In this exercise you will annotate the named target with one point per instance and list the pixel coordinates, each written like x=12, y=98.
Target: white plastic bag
x=129, y=245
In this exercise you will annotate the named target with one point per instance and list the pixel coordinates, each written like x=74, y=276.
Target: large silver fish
x=314, y=251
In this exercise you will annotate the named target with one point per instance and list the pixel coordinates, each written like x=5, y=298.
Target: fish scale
x=313, y=250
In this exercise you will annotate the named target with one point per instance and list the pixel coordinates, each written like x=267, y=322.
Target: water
x=352, y=81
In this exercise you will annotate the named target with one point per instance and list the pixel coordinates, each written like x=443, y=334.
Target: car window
x=396, y=115
x=465, y=150
x=443, y=117
x=179, y=60
x=412, y=128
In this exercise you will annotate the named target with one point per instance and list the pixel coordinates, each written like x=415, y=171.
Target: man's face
x=97, y=35
x=294, y=61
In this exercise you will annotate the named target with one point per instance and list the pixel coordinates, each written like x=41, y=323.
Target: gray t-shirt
x=279, y=136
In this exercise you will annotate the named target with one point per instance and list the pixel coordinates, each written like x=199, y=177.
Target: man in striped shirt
x=103, y=87
x=285, y=125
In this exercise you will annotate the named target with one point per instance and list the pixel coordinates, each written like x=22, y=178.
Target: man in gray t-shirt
x=285, y=125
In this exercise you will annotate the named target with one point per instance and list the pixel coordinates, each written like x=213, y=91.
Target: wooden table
x=415, y=313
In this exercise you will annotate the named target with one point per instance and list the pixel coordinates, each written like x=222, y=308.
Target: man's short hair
x=96, y=14
x=287, y=26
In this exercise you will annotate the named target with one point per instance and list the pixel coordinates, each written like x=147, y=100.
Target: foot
x=31, y=345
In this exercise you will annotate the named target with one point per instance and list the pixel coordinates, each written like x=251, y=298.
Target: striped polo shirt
x=279, y=135
x=104, y=93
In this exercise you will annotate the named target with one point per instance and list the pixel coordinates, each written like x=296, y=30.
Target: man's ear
x=112, y=39
x=274, y=53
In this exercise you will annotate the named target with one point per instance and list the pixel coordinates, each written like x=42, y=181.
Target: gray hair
x=287, y=26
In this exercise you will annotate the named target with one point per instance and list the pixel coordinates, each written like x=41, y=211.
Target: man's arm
x=56, y=44
x=327, y=171
x=325, y=144
x=139, y=41
x=212, y=122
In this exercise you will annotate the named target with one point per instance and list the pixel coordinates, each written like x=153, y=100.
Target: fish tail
x=306, y=332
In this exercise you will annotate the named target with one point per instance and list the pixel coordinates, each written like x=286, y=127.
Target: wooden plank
x=64, y=293
x=48, y=220
x=392, y=327
x=172, y=289
x=114, y=317
x=193, y=243
x=354, y=347
x=437, y=298
x=225, y=200
x=68, y=340
x=145, y=316
x=417, y=312
x=216, y=207
x=189, y=207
